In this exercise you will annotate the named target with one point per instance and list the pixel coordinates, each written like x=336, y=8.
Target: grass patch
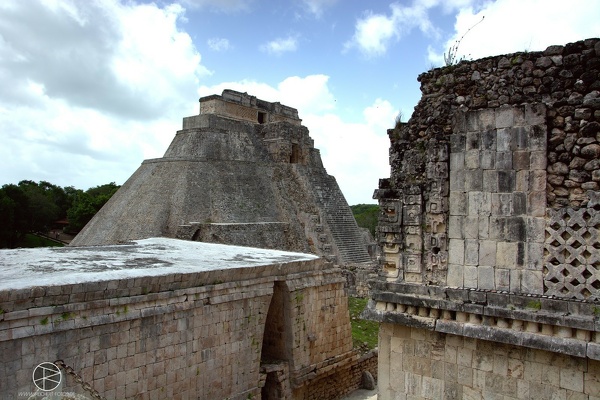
x=31, y=240
x=362, y=331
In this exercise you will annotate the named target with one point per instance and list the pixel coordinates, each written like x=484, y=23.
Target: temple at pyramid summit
x=242, y=172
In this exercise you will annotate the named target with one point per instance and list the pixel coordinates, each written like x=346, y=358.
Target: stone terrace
x=170, y=319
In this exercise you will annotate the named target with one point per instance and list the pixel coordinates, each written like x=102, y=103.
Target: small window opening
x=262, y=117
x=295, y=156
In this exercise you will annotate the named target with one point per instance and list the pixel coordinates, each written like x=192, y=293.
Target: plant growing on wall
x=450, y=58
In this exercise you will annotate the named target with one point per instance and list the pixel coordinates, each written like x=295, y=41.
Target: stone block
x=536, y=229
x=520, y=138
x=537, y=138
x=538, y=160
x=496, y=227
x=470, y=276
x=487, y=252
x=515, y=280
x=537, y=181
x=457, y=180
x=505, y=117
x=535, y=256
x=472, y=141
x=490, y=181
x=457, y=143
x=455, y=275
x=522, y=181
x=532, y=282
x=458, y=203
x=437, y=170
x=519, y=203
x=521, y=160
x=487, y=159
x=504, y=140
x=535, y=114
x=506, y=181
x=471, y=227
x=506, y=255
x=483, y=227
x=456, y=251
x=457, y=161
x=412, y=214
x=504, y=160
x=487, y=119
x=502, y=204
x=472, y=121
x=515, y=229
x=536, y=204
x=488, y=140
x=472, y=159
x=473, y=180
x=486, y=279
x=502, y=279
x=471, y=252
x=455, y=227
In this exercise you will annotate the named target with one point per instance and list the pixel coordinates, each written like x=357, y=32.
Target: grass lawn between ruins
x=364, y=333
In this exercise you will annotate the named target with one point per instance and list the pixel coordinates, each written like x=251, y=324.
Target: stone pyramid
x=245, y=172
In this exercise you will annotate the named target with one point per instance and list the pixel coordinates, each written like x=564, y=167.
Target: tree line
x=37, y=207
x=366, y=216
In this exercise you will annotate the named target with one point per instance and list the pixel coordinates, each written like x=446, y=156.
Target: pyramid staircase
x=338, y=217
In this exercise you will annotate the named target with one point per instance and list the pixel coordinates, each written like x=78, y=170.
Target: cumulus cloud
x=280, y=45
x=355, y=153
x=517, y=25
x=318, y=7
x=226, y=6
x=80, y=77
x=218, y=44
x=374, y=33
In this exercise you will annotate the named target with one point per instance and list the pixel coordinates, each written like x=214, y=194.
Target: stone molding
x=541, y=322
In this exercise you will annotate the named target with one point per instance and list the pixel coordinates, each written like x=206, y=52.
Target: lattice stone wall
x=572, y=252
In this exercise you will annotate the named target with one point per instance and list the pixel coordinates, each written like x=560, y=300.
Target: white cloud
x=374, y=33
x=226, y=6
x=519, y=25
x=90, y=83
x=317, y=7
x=280, y=45
x=218, y=44
x=355, y=153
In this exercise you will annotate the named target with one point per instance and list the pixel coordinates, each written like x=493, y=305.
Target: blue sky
x=92, y=88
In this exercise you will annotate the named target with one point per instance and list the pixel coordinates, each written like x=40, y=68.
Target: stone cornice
x=541, y=322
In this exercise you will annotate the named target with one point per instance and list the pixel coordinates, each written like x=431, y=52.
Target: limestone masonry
x=243, y=172
x=171, y=319
x=489, y=278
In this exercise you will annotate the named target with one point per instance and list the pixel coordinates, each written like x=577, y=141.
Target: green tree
x=366, y=216
x=42, y=209
x=14, y=221
x=86, y=204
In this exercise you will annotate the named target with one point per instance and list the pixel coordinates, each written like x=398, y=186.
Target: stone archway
x=276, y=351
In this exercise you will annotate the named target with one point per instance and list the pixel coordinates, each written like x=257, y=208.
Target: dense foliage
x=366, y=216
x=36, y=207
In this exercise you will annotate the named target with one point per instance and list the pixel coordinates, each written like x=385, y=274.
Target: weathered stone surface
x=171, y=311
x=367, y=382
x=538, y=156
x=239, y=147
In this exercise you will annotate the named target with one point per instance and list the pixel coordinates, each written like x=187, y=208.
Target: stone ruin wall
x=242, y=106
x=500, y=158
x=489, y=281
x=217, y=334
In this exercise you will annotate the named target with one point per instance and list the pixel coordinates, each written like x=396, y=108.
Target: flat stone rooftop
x=51, y=266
